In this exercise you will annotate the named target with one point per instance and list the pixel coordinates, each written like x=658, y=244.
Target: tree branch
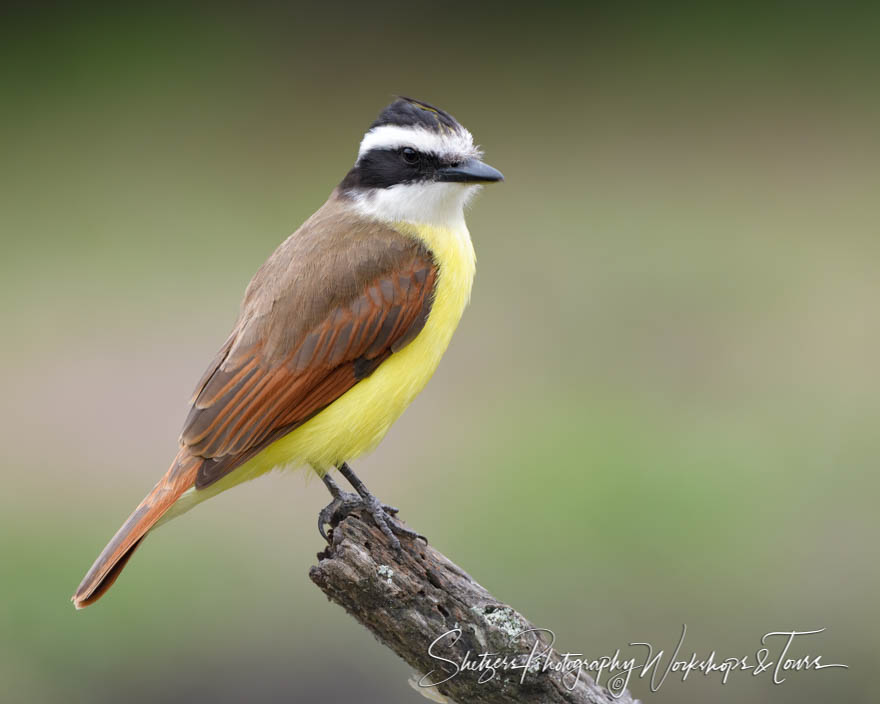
x=411, y=600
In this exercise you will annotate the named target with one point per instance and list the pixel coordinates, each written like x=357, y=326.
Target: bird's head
x=416, y=163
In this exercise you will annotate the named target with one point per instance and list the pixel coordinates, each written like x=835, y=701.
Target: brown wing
x=265, y=381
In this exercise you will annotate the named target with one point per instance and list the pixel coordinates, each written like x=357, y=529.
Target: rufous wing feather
x=322, y=313
x=260, y=393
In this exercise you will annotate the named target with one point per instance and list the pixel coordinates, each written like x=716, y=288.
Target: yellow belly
x=356, y=422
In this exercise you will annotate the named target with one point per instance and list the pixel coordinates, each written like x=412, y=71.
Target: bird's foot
x=383, y=515
x=334, y=512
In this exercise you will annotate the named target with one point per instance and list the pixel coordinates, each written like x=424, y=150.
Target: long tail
x=180, y=477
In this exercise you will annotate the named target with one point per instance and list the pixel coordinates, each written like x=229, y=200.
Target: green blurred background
x=661, y=407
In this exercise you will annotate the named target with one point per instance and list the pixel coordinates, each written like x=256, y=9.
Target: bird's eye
x=410, y=155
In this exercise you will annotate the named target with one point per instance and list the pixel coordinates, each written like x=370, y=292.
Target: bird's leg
x=343, y=503
x=383, y=515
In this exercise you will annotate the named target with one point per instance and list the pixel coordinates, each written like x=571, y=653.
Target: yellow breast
x=356, y=422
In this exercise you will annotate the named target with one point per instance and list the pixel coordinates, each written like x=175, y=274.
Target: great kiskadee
x=338, y=332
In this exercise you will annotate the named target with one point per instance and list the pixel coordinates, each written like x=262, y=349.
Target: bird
x=338, y=331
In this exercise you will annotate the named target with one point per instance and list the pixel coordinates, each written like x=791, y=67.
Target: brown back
x=331, y=303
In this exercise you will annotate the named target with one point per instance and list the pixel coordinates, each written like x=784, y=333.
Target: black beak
x=470, y=171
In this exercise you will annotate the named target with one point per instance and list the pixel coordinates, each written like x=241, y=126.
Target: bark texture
x=409, y=600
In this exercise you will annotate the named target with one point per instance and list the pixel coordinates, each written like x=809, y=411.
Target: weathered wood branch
x=409, y=601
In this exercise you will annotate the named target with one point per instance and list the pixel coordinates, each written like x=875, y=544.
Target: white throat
x=427, y=203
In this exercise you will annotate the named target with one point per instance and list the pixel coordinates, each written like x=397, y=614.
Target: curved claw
x=321, y=523
x=383, y=516
x=336, y=510
x=325, y=517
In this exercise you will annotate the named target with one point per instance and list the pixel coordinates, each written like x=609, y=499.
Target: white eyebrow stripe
x=458, y=142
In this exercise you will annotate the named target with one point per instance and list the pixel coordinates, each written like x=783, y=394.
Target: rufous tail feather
x=180, y=477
